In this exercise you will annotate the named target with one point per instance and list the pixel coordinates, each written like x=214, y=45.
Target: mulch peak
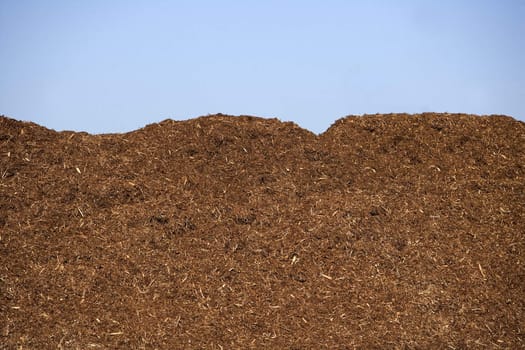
x=385, y=231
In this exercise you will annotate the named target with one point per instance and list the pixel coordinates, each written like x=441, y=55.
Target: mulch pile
x=384, y=232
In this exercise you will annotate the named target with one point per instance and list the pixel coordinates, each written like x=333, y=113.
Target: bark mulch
x=384, y=232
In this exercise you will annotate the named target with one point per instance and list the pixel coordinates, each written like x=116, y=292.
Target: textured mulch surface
x=386, y=232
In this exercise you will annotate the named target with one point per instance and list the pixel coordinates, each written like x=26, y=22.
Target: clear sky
x=114, y=66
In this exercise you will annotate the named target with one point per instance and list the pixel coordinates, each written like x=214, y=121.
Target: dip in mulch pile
x=386, y=231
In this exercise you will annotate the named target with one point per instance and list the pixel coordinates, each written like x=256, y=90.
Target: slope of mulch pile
x=386, y=231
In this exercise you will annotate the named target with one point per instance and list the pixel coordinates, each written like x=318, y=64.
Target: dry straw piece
x=386, y=231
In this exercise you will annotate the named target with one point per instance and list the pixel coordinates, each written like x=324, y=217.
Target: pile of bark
x=220, y=232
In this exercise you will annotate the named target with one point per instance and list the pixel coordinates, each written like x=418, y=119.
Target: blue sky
x=114, y=66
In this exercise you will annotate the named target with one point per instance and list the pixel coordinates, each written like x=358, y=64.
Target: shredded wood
x=384, y=232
